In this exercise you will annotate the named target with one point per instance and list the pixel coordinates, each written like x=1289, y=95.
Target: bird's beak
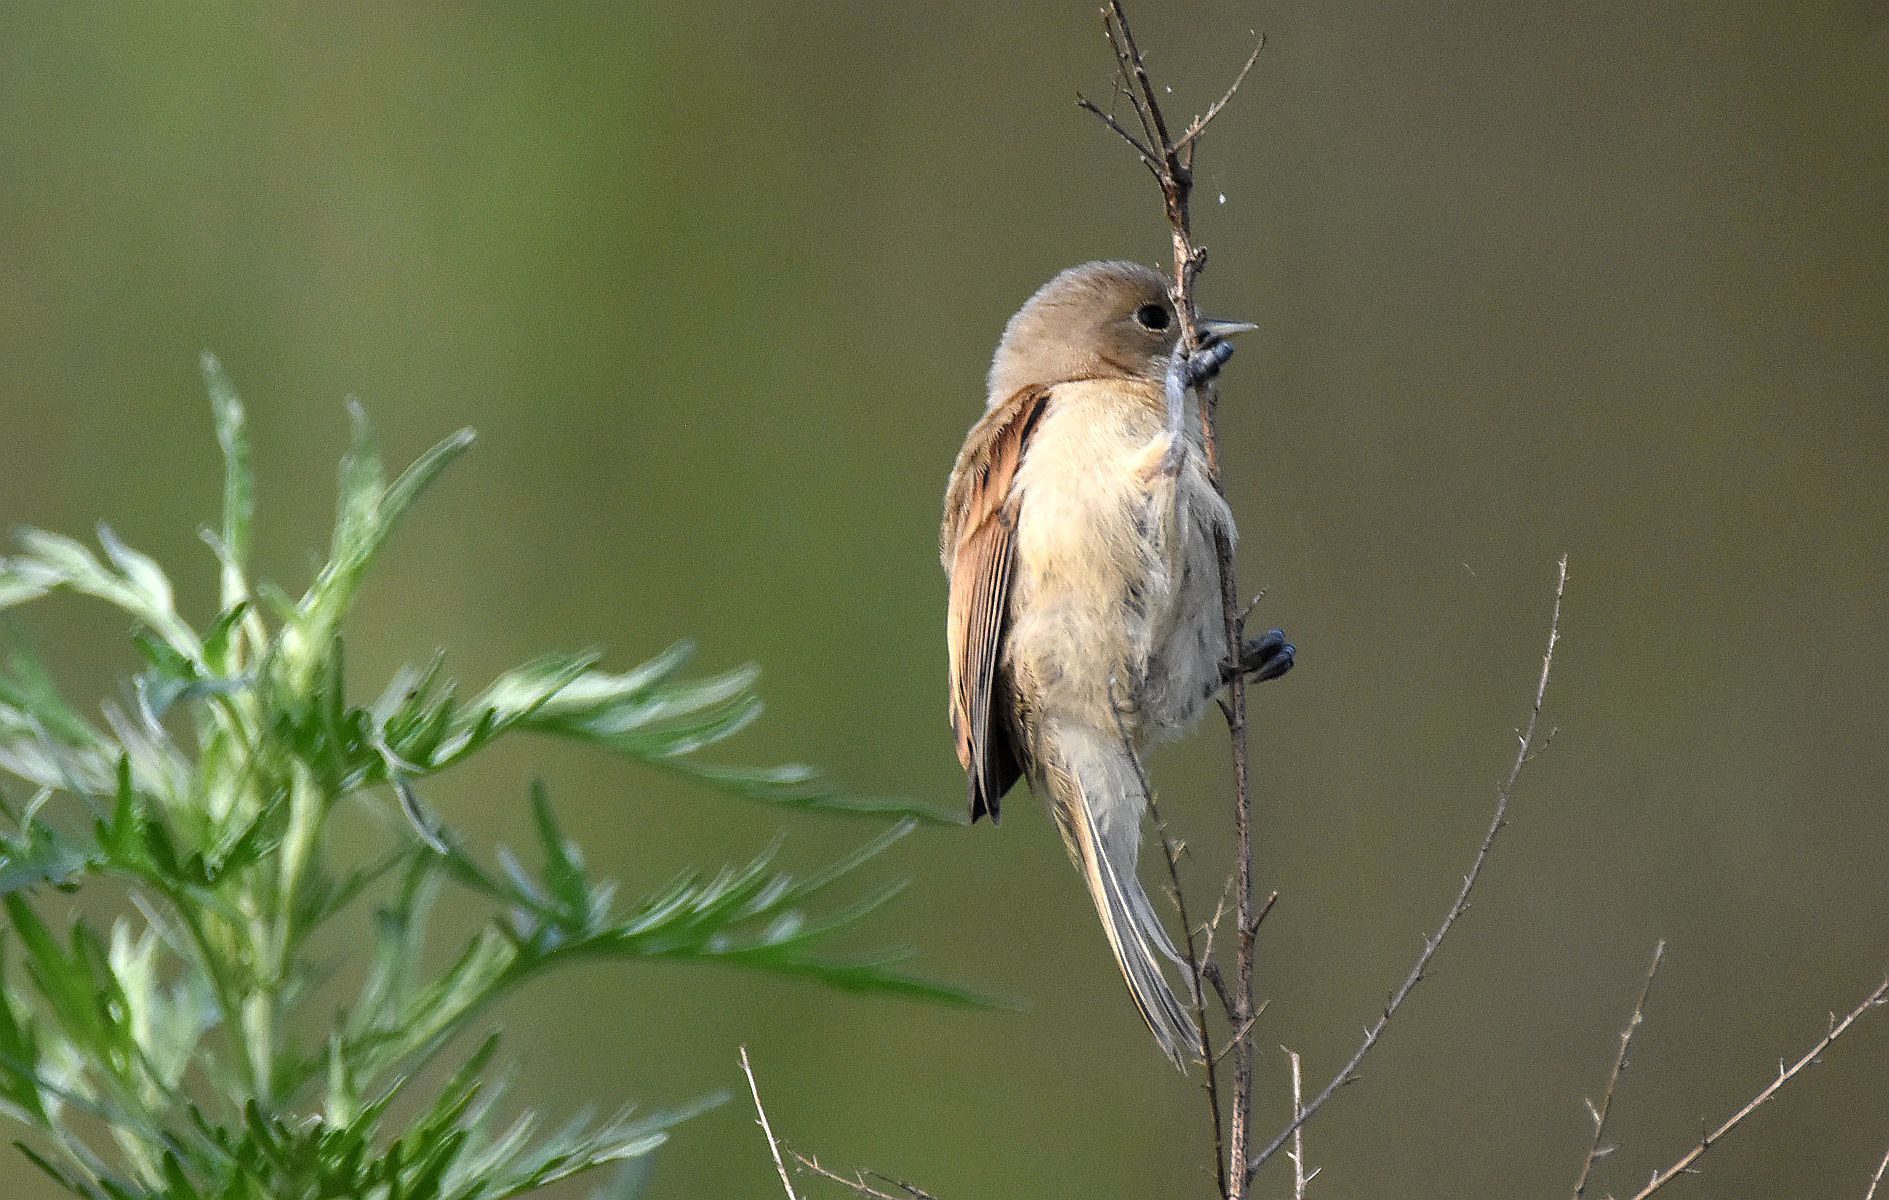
x=1213, y=331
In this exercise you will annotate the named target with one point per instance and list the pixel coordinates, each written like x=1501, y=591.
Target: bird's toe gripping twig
x=1267, y=657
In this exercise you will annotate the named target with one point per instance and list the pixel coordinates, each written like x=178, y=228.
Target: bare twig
x=1238, y=1035
x=1272, y=898
x=1171, y=161
x=1596, y=1152
x=1875, y=999
x=1241, y=1119
x=1212, y=925
x=1201, y=122
x=1143, y=152
x=1147, y=155
x=1196, y=976
x=773, y=1147
x=1523, y=752
x=1876, y=1179
x=1133, y=70
x=1297, y=1154
x=858, y=1181
x=1211, y=969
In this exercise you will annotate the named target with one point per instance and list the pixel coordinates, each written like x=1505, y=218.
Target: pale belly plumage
x=1116, y=601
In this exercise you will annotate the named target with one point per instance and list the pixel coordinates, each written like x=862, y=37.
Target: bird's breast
x=1082, y=523
x=1115, y=599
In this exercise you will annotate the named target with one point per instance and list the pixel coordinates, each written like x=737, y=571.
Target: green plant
x=163, y=1056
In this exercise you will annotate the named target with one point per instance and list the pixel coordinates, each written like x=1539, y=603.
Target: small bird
x=1085, y=619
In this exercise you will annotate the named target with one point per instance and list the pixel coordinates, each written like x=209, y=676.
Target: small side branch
x=1875, y=1180
x=773, y=1146
x=1875, y=999
x=1596, y=1152
x=1196, y=949
x=1297, y=1154
x=857, y=1182
x=1524, y=752
x=1197, y=987
x=1200, y=123
x=1141, y=149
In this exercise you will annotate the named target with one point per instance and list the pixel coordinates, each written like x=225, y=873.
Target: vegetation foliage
x=175, y=1051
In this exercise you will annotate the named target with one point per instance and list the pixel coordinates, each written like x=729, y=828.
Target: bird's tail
x=1095, y=793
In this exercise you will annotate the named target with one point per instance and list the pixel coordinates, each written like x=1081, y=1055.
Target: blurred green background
x=717, y=285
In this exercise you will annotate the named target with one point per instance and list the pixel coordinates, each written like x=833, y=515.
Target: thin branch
x=1875, y=999
x=858, y=1182
x=1272, y=898
x=1196, y=976
x=1134, y=69
x=1121, y=131
x=1297, y=1154
x=1242, y=1116
x=773, y=1147
x=1595, y=1152
x=1212, y=925
x=1238, y=1035
x=1524, y=747
x=1876, y=1179
x=1125, y=81
x=1212, y=970
x=1199, y=124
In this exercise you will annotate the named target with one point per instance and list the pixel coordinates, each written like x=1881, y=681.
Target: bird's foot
x=1265, y=657
x=1204, y=363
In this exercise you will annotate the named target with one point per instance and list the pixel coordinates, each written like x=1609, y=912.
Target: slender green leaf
x=239, y=482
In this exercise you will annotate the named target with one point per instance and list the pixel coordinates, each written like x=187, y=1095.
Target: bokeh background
x=717, y=284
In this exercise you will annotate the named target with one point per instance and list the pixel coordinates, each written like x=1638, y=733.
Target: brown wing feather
x=977, y=546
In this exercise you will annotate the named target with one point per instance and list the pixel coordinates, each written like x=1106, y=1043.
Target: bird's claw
x=1265, y=657
x=1186, y=371
x=1204, y=362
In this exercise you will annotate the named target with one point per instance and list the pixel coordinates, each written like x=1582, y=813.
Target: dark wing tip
x=984, y=801
x=988, y=781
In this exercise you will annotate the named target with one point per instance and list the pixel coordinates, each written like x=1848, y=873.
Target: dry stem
x=1524, y=753
x=1876, y=1179
x=773, y=1147
x=1297, y=1154
x=1196, y=955
x=858, y=1182
x=1595, y=1152
x=1785, y=1074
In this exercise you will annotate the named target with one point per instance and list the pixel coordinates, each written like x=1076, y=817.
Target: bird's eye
x=1152, y=316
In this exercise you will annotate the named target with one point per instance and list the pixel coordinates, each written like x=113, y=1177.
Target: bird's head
x=1101, y=320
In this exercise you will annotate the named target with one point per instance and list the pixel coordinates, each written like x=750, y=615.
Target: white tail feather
x=1097, y=795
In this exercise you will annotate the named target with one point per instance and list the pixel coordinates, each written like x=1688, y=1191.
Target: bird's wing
x=977, y=546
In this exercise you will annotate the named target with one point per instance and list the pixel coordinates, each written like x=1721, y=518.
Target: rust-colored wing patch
x=978, y=548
